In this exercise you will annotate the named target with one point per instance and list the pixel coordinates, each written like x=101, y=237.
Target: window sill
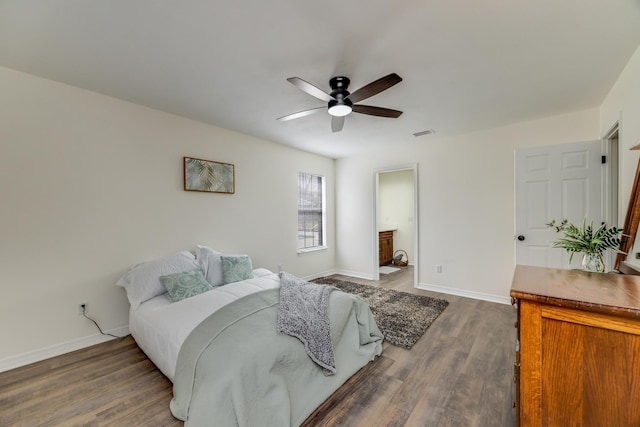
x=311, y=250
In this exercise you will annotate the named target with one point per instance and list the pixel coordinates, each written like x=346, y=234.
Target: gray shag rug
x=402, y=317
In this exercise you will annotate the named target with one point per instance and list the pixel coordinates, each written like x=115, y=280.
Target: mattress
x=160, y=326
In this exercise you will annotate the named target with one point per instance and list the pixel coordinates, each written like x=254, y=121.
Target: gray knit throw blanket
x=304, y=314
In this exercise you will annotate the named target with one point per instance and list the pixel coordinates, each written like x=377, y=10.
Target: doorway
x=395, y=218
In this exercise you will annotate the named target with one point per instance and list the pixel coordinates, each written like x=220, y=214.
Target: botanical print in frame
x=208, y=176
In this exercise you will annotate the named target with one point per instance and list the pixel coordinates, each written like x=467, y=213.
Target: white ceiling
x=466, y=64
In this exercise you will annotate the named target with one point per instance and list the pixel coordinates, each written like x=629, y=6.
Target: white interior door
x=556, y=182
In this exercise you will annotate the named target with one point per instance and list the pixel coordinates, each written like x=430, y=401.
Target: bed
x=220, y=347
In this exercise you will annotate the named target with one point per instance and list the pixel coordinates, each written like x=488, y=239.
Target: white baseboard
x=342, y=272
x=316, y=275
x=23, y=359
x=465, y=293
x=355, y=274
x=425, y=286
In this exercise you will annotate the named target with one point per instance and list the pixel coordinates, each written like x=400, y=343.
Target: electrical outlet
x=83, y=308
x=438, y=268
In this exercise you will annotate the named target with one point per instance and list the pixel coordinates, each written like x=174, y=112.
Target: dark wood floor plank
x=56, y=380
x=370, y=382
x=458, y=374
x=55, y=391
x=67, y=362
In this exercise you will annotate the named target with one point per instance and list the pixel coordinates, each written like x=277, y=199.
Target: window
x=311, y=212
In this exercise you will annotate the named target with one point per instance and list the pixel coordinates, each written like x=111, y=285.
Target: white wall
x=623, y=104
x=91, y=185
x=396, y=208
x=466, y=201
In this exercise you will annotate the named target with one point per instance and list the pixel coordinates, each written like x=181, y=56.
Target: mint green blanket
x=234, y=369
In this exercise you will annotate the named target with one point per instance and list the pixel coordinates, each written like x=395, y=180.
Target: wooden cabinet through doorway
x=386, y=247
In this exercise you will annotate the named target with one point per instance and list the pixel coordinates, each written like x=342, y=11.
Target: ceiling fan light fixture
x=340, y=110
x=340, y=106
x=342, y=102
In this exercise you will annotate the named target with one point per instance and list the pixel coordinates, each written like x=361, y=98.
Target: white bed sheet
x=160, y=326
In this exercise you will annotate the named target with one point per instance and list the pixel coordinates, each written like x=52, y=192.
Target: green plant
x=585, y=238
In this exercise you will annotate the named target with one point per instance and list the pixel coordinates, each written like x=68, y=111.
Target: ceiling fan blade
x=300, y=114
x=310, y=89
x=337, y=122
x=376, y=111
x=375, y=88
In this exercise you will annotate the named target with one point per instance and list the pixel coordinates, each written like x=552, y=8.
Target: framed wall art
x=208, y=176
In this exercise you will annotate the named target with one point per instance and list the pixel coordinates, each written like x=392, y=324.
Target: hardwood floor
x=458, y=374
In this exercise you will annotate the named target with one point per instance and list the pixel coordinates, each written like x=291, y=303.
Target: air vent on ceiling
x=424, y=132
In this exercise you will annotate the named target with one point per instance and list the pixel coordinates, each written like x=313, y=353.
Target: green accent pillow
x=185, y=285
x=236, y=268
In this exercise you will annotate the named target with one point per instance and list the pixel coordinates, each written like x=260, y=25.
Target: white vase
x=593, y=262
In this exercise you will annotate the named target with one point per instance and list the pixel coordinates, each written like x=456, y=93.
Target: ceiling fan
x=342, y=102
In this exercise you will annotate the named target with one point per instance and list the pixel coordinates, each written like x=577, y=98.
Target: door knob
x=521, y=238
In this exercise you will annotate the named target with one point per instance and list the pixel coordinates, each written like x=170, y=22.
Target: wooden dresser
x=578, y=361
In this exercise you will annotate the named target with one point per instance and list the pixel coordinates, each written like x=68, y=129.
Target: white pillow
x=261, y=272
x=142, y=282
x=211, y=263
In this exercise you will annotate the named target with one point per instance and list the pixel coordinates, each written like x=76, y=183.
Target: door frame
x=376, y=245
x=611, y=183
x=610, y=148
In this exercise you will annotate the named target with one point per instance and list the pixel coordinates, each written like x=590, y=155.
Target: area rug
x=402, y=317
x=388, y=270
